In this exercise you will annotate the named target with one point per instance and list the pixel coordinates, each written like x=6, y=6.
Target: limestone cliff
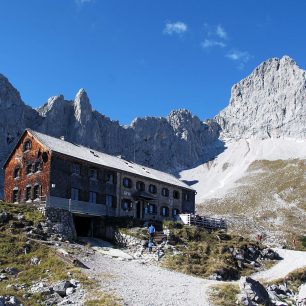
x=269, y=103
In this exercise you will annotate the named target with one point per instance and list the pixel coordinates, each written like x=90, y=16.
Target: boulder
x=35, y=261
x=4, y=217
x=53, y=299
x=70, y=291
x=11, y=271
x=9, y=301
x=255, y=291
x=61, y=287
x=301, y=298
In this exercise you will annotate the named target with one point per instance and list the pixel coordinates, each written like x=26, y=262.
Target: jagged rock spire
x=82, y=107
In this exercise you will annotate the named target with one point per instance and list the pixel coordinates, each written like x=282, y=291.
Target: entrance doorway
x=83, y=226
x=139, y=210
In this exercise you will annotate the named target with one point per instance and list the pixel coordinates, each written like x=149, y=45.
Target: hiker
x=150, y=245
x=151, y=230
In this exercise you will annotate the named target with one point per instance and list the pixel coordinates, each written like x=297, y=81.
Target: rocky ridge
x=177, y=141
x=267, y=104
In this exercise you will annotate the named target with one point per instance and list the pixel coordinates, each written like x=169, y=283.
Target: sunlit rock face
x=269, y=103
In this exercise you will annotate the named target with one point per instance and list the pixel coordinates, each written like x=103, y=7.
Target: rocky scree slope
x=175, y=142
x=258, y=182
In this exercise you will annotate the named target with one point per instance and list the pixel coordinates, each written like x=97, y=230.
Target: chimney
x=62, y=137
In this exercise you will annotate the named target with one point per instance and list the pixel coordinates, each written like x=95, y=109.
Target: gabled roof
x=80, y=152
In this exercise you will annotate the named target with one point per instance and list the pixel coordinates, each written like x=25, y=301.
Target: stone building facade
x=56, y=173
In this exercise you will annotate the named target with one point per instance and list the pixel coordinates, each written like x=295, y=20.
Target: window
x=110, y=201
x=28, y=191
x=16, y=172
x=126, y=205
x=164, y=211
x=36, y=192
x=175, y=212
x=93, y=173
x=152, y=188
x=152, y=209
x=140, y=186
x=76, y=169
x=165, y=192
x=15, y=195
x=29, y=169
x=127, y=182
x=186, y=196
x=110, y=178
x=176, y=194
x=92, y=197
x=37, y=166
x=27, y=146
x=75, y=194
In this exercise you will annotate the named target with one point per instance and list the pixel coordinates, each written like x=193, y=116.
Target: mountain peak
x=9, y=95
x=269, y=103
x=82, y=107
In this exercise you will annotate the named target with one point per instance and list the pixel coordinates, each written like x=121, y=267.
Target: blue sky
x=144, y=58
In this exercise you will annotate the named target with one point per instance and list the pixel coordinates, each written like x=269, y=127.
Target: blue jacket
x=151, y=229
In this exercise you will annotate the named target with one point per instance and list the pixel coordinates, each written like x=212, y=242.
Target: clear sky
x=141, y=57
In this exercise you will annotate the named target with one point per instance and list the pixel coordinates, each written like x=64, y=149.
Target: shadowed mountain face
x=169, y=144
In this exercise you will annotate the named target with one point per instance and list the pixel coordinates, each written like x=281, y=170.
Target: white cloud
x=175, y=28
x=208, y=43
x=220, y=32
x=81, y=2
x=240, y=57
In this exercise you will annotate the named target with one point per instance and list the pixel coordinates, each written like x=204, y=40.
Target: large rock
x=301, y=299
x=254, y=291
x=61, y=287
x=268, y=103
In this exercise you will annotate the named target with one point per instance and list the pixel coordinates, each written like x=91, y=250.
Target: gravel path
x=292, y=260
x=148, y=285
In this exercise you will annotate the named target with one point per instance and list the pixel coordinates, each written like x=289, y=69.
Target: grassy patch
x=50, y=269
x=294, y=279
x=202, y=253
x=224, y=294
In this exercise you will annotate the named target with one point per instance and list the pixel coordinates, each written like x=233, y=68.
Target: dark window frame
x=166, y=214
x=126, y=204
x=152, y=189
x=76, y=168
x=17, y=175
x=176, y=194
x=129, y=182
x=94, y=198
x=15, y=195
x=165, y=192
x=27, y=146
x=28, y=193
x=29, y=169
x=37, y=166
x=140, y=186
x=36, y=191
x=93, y=173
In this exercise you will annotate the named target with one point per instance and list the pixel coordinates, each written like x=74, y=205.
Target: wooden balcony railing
x=80, y=207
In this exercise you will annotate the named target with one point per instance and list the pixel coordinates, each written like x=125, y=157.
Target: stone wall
x=62, y=222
